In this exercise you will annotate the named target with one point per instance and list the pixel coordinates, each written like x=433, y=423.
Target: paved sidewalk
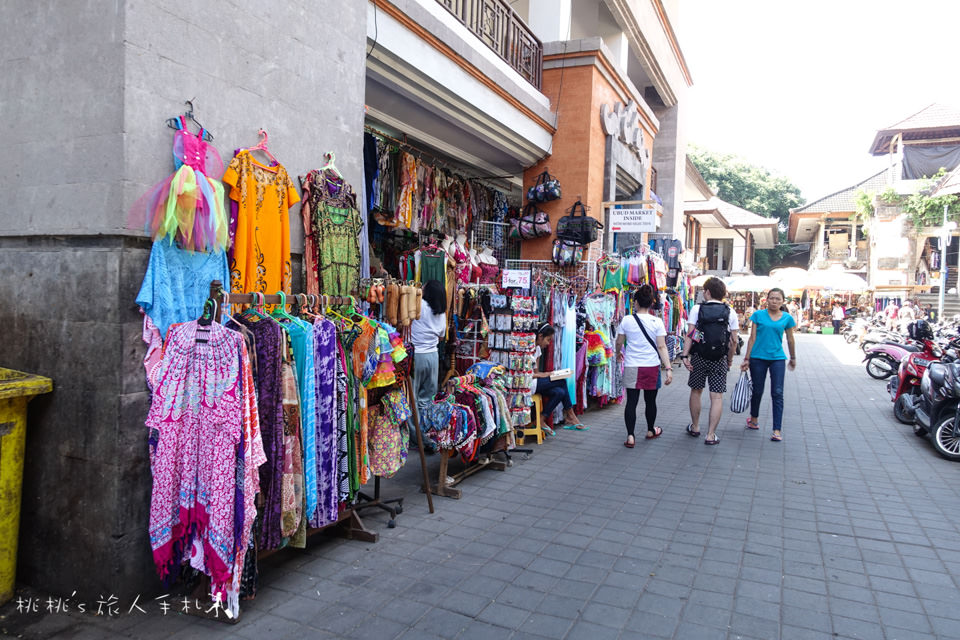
x=849, y=528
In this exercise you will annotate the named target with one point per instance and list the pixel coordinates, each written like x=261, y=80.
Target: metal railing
x=501, y=29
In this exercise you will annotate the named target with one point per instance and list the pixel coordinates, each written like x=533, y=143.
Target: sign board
x=636, y=220
x=888, y=263
x=518, y=278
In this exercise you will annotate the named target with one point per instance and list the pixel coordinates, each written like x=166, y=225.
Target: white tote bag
x=740, y=399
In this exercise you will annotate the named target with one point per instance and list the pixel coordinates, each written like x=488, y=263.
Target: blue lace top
x=177, y=283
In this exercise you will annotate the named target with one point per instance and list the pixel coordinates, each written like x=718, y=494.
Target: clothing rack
x=442, y=488
x=349, y=519
x=460, y=171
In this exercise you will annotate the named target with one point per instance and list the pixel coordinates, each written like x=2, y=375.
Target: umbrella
x=794, y=279
x=755, y=284
x=699, y=281
x=836, y=279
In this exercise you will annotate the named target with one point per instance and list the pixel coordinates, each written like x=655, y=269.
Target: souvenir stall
x=265, y=424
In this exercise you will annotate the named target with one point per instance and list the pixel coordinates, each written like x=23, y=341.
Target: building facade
x=593, y=90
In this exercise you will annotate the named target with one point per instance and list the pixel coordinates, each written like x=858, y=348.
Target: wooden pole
x=416, y=425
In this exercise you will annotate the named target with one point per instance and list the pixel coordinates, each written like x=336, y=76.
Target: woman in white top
x=644, y=357
x=425, y=333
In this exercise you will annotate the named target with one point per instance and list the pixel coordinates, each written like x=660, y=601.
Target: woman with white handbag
x=765, y=354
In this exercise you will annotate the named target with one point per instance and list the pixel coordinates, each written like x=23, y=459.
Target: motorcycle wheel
x=946, y=444
x=850, y=337
x=879, y=369
x=899, y=410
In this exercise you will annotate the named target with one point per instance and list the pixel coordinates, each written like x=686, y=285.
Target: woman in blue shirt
x=765, y=353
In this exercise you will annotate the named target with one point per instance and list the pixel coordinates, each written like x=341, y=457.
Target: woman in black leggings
x=641, y=344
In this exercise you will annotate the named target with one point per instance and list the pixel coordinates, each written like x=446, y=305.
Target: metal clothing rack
x=349, y=521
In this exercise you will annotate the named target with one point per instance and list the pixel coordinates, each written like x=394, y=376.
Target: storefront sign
x=641, y=220
x=518, y=278
x=623, y=122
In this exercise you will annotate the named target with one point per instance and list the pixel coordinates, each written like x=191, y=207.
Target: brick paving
x=846, y=529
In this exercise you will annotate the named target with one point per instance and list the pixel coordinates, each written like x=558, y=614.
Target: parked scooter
x=937, y=411
x=879, y=335
x=883, y=359
x=905, y=387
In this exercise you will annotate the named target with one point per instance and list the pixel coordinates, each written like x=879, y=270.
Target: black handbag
x=546, y=188
x=533, y=223
x=577, y=226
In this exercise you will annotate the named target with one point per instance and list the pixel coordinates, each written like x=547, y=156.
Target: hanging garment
x=202, y=420
x=291, y=494
x=187, y=207
x=269, y=340
x=302, y=337
x=261, y=251
x=326, y=354
x=177, y=283
x=333, y=224
x=570, y=343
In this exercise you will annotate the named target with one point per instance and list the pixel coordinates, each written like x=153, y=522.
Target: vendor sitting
x=553, y=392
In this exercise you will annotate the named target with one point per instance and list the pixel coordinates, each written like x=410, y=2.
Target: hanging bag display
x=533, y=223
x=566, y=253
x=740, y=399
x=545, y=189
x=577, y=226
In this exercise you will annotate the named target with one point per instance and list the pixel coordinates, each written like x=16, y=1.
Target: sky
x=801, y=88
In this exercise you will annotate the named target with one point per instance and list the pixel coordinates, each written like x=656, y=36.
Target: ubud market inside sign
x=633, y=220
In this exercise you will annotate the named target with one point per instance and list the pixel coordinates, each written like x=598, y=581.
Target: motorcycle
x=883, y=359
x=907, y=382
x=878, y=336
x=937, y=411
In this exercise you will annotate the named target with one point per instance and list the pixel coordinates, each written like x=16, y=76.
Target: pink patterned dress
x=203, y=411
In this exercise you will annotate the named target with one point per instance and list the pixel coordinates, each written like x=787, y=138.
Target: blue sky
x=800, y=88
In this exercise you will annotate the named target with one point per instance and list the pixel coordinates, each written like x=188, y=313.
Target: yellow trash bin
x=16, y=389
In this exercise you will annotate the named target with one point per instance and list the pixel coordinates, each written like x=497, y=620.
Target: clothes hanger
x=331, y=164
x=280, y=311
x=225, y=303
x=263, y=146
x=256, y=309
x=175, y=122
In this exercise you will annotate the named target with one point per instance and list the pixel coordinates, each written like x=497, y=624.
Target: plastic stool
x=535, y=428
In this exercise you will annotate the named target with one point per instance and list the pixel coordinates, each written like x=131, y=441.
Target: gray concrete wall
x=669, y=159
x=85, y=116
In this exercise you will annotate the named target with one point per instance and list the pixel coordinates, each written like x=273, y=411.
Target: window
x=719, y=254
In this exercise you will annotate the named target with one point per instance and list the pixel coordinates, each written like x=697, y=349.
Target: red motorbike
x=907, y=381
x=905, y=387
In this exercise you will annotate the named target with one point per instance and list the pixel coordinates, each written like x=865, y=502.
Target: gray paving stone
x=851, y=628
x=464, y=603
x=644, y=624
x=583, y=630
x=692, y=631
x=546, y=625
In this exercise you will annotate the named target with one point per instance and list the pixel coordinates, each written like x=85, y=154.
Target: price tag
x=516, y=278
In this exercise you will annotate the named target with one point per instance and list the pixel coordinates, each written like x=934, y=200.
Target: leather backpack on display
x=577, y=226
x=532, y=223
x=545, y=189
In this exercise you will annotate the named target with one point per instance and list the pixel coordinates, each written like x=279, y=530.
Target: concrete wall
x=669, y=159
x=740, y=261
x=84, y=115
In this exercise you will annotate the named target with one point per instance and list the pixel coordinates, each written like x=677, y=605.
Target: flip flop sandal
x=691, y=432
x=657, y=432
x=581, y=427
x=751, y=425
x=776, y=438
x=550, y=433
x=716, y=440
x=628, y=444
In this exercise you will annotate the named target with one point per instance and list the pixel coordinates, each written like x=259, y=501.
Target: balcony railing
x=501, y=29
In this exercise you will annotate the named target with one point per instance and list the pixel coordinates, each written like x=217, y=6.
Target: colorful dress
x=332, y=224
x=261, y=249
x=326, y=366
x=201, y=423
x=187, y=207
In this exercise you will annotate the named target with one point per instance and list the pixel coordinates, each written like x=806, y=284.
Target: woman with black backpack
x=708, y=349
x=644, y=358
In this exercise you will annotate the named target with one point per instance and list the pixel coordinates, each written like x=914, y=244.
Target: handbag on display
x=546, y=188
x=533, y=223
x=566, y=253
x=577, y=226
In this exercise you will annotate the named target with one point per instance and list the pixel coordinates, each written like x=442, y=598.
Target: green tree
x=752, y=188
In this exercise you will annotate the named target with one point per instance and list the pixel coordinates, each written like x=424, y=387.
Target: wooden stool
x=535, y=428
